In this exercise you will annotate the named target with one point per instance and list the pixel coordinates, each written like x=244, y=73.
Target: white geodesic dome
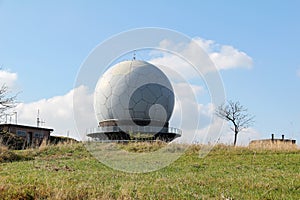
x=134, y=90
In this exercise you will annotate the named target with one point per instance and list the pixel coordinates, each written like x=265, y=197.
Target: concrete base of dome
x=120, y=130
x=124, y=136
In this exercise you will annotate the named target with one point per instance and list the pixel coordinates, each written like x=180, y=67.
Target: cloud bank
x=225, y=56
x=57, y=112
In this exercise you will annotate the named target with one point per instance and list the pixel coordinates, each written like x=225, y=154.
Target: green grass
x=70, y=172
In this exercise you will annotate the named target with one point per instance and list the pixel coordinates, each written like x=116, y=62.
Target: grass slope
x=70, y=172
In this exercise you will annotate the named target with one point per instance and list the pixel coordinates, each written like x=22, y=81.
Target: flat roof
x=270, y=140
x=27, y=126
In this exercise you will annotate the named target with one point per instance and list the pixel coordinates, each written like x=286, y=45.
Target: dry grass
x=43, y=145
x=142, y=146
x=3, y=148
x=274, y=146
x=68, y=171
x=10, y=156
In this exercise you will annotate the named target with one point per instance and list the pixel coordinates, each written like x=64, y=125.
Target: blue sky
x=45, y=42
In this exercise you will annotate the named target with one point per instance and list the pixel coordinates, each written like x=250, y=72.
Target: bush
x=11, y=141
x=10, y=156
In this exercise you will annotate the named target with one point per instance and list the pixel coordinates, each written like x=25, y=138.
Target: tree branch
x=6, y=102
x=236, y=114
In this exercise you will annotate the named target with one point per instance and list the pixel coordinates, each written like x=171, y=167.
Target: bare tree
x=6, y=102
x=235, y=113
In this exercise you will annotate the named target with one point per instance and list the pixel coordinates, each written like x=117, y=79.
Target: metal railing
x=134, y=129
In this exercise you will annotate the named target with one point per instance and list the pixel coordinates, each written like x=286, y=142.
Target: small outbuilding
x=273, y=143
x=32, y=136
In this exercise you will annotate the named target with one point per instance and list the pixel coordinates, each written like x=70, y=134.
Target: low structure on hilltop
x=31, y=136
x=273, y=143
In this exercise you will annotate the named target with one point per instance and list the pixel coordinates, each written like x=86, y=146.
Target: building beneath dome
x=134, y=100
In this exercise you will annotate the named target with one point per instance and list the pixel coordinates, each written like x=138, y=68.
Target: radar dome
x=136, y=91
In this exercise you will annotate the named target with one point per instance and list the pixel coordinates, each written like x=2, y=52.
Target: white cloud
x=179, y=66
x=58, y=112
x=225, y=56
x=196, y=120
x=185, y=113
x=183, y=89
x=8, y=78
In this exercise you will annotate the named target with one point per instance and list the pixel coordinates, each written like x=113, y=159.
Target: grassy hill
x=70, y=172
